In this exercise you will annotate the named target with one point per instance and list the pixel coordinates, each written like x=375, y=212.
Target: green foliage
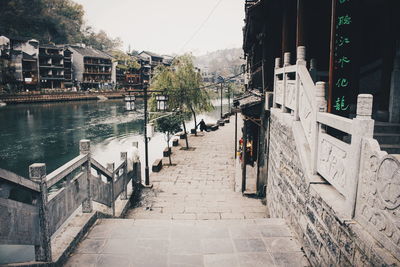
x=100, y=40
x=182, y=83
x=125, y=61
x=169, y=124
x=56, y=21
x=186, y=93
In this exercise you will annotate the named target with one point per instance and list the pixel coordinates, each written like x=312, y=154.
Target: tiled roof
x=250, y=98
x=90, y=52
x=52, y=46
x=151, y=54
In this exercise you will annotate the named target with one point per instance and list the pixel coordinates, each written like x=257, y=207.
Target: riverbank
x=39, y=97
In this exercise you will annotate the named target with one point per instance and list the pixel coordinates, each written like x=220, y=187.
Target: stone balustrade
x=296, y=93
x=32, y=210
x=340, y=192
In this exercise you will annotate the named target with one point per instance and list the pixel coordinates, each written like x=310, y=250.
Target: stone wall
x=307, y=207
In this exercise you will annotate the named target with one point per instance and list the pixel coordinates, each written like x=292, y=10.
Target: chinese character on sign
x=343, y=1
x=340, y=104
x=342, y=41
x=344, y=20
x=342, y=82
x=343, y=60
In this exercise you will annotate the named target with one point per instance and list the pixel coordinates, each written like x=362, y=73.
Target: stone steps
x=391, y=149
x=386, y=127
x=132, y=242
x=388, y=136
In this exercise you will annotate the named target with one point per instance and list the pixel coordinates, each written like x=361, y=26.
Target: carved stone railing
x=378, y=200
x=296, y=93
x=32, y=210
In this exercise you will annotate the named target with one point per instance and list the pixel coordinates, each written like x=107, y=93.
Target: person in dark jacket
x=202, y=125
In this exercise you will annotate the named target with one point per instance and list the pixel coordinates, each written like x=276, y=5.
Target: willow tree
x=164, y=81
x=182, y=83
x=187, y=93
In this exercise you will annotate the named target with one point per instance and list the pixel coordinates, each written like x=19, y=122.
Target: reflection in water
x=50, y=133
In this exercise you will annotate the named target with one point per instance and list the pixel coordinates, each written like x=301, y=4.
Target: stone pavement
x=192, y=217
x=219, y=243
x=201, y=185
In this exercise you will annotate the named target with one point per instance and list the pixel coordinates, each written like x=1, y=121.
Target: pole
x=244, y=155
x=146, y=149
x=221, y=100
x=236, y=134
x=332, y=56
x=229, y=100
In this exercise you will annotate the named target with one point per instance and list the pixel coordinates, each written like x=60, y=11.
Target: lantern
x=130, y=102
x=162, y=104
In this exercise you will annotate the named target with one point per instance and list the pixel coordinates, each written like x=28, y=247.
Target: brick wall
x=326, y=239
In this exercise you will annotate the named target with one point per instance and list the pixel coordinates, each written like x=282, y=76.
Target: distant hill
x=225, y=62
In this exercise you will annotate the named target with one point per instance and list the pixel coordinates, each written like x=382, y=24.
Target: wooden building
x=129, y=74
x=20, y=57
x=352, y=44
x=92, y=69
x=55, y=67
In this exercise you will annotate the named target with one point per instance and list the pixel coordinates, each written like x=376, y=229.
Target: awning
x=249, y=104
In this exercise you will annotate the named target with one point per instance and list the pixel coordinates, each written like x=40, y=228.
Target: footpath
x=193, y=217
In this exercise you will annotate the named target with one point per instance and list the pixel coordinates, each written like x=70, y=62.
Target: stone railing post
x=319, y=106
x=136, y=165
x=111, y=167
x=84, y=149
x=313, y=69
x=277, y=66
x=286, y=63
x=301, y=61
x=37, y=173
x=124, y=157
x=362, y=127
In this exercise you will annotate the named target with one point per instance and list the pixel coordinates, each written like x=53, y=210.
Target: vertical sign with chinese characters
x=342, y=87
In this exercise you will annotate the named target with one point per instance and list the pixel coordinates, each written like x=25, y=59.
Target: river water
x=50, y=133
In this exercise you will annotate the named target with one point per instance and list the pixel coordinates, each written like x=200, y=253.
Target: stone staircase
x=388, y=136
x=208, y=243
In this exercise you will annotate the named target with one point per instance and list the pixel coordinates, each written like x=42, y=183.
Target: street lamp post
x=221, y=80
x=229, y=99
x=146, y=147
x=145, y=81
x=161, y=105
x=221, y=99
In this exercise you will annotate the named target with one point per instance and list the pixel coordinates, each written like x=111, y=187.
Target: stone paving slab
x=201, y=184
x=246, y=242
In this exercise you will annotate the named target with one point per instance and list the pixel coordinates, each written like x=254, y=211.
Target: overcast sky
x=169, y=26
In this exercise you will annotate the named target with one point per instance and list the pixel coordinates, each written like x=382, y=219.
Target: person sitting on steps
x=202, y=124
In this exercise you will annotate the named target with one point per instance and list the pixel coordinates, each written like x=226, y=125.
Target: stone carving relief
x=332, y=159
x=378, y=202
x=291, y=94
x=279, y=92
x=305, y=113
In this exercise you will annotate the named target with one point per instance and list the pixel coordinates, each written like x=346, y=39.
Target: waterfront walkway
x=192, y=217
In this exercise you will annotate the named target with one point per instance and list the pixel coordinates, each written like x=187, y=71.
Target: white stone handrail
x=307, y=82
x=306, y=102
x=340, y=123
